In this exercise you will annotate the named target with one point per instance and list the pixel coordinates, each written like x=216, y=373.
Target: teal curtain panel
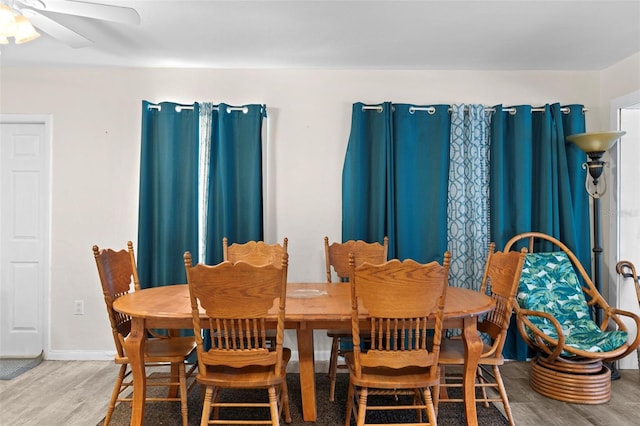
x=168, y=204
x=200, y=181
x=234, y=207
x=537, y=184
x=395, y=179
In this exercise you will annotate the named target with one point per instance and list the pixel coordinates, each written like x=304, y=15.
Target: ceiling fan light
x=25, y=31
x=8, y=24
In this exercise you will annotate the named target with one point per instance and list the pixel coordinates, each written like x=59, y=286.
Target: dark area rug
x=329, y=413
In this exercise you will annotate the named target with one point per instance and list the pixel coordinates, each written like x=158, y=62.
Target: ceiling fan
x=36, y=12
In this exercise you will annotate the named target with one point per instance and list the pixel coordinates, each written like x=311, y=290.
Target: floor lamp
x=594, y=144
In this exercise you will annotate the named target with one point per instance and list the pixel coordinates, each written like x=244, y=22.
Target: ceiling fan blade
x=105, y=12
x=56, y=30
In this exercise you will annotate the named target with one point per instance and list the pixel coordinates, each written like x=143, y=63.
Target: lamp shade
x=595, y=141
x=25, y=31
x=7, y=21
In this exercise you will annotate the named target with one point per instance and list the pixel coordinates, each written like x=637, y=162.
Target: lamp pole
x=594, y=144
x=595, y=165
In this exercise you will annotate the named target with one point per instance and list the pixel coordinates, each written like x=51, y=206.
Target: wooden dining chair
x=337, y=262
x=404, y=302
x=500, y=281
x=118, y=276
x=627, y=270
x=240, y=300
x=257, y=253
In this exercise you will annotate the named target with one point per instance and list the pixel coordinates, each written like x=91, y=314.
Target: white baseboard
x=79, y=355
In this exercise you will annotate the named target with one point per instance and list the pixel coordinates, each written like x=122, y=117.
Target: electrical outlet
x=78, y=307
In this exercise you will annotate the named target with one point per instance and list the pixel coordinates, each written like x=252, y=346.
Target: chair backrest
x=257, y=253
x=500, y=281
x=118, y=274
x=337, y=255
x=551, y=285
x=559, y=260
x=405, y=302
x=240, y=301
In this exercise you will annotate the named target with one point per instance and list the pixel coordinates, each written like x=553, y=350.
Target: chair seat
x=245, y=377
x=174, y=349
x=452, y=353
x=390, y=378
x=590, y=340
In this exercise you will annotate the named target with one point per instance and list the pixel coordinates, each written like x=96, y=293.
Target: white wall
x=96, y=132
x=620, y=88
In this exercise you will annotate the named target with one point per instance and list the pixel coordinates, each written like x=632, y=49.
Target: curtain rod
x=178, y=107
x=190, y=107
x=487, y=110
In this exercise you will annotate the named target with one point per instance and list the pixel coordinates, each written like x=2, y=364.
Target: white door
x=24, y=236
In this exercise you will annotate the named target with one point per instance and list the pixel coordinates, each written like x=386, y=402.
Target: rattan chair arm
x=542, y=341
x=636, y=342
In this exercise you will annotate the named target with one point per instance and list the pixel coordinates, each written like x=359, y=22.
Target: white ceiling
x=417, y=34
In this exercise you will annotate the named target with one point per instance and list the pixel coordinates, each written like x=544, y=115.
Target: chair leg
x=284, y=402
x=362, y=407
x=442, y=390
x=273, y=406
x=202, y=391
x=349, y=412
x=503, y=394
x=481, y=380
x=436, y=396
x=333, y=367
x=175, y=372
x=206, y=406
x=115, y=393
x=183, y=394
x=417, y=401
x=431, y=411
x=215, y=398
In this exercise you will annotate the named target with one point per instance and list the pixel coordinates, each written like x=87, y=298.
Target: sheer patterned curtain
x=206, y=117
x=468, y=203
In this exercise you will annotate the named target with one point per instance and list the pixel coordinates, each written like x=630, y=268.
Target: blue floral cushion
x=549, y=284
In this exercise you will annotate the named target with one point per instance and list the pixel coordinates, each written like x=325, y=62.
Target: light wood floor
x=74, y=393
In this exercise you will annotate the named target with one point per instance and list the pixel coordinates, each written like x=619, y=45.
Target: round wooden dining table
x=309, y=306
